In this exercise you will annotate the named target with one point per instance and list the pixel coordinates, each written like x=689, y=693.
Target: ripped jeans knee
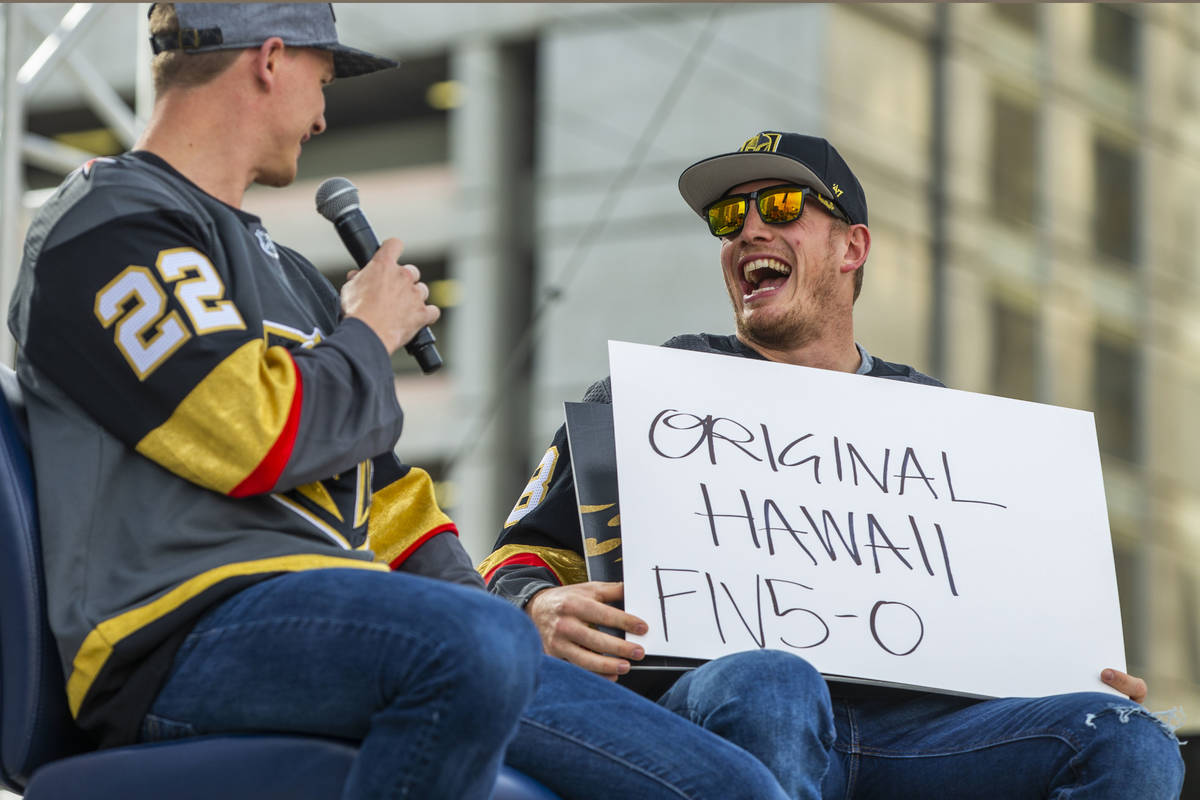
x=1168, y=720
x=1144, y=745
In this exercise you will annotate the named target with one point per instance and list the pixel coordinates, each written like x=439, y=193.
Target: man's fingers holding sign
x=567, y=618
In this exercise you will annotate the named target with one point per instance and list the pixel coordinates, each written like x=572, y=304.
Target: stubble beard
x=803, y=322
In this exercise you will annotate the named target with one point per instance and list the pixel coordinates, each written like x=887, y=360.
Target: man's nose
x=753, y=226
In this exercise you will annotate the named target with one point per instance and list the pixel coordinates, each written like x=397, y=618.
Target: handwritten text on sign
x=884, y=531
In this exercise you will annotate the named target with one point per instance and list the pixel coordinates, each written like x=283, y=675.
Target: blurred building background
x=1032, y=174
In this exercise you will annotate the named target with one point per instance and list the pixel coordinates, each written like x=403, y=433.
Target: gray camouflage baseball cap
x=207, y=27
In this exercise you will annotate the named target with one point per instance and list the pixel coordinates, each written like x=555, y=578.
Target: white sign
x=885, y=531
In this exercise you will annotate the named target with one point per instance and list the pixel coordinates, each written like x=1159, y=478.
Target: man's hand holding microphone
x=389, y=297
x=385, y=294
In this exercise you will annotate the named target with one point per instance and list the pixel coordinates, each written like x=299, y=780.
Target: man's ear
x=858, y=244
x=267, y=60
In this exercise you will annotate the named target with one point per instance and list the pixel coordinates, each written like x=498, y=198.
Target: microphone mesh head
x=335, y=197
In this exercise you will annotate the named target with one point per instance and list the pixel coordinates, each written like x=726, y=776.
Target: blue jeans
x=435, y=680
x=587, y=738
x=881, y=744
x=431, y=677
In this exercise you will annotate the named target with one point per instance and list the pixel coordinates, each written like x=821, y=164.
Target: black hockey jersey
x=201, y=419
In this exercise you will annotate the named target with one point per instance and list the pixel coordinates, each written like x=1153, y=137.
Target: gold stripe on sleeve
x=567, y=565
x=402, y=512
x=210, y=439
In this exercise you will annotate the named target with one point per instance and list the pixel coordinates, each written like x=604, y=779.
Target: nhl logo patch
x=264, y=241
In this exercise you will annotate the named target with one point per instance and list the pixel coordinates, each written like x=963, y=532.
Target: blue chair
x=43, y=753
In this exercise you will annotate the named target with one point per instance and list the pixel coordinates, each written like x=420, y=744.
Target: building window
x=1115, y=36
x=1021, y=15
x=1115, y=377
x=1114, y=221
x=1013, y=160
x=1014, y=336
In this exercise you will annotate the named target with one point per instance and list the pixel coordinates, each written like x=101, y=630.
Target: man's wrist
x=522, y=598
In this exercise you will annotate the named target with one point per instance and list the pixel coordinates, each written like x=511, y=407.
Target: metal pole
x=488, y=135
x=1044, y=390
x=52, y=155
x=101, y=97
x=12, y=179
x=939, y=149
x=143, y=95
x=55, y=47
x=1151, y=534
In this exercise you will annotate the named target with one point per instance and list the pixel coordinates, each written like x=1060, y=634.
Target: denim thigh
x=772, y=704
x=589, y=739
x=315, y=651
x=1084, y=745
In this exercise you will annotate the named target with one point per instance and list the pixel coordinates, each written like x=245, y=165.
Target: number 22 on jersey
x=135, y=302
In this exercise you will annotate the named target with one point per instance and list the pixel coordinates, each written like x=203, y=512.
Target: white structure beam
x=103, y=99
x=11, y=178
x=55, y=47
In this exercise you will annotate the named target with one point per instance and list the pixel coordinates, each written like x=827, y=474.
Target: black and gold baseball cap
x=793, y=157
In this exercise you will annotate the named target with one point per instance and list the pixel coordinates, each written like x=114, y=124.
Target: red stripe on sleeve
x=525, y=559
x=264, y=476
x=425, y=537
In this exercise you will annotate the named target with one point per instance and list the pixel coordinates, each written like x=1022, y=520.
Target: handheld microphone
x=337, y=201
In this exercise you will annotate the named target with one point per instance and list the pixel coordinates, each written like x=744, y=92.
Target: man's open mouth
x=763, y=274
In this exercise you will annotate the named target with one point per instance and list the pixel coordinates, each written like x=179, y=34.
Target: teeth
x=764, y=263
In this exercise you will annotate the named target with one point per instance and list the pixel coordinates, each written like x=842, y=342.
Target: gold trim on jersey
x=362, y=496
x=319, y=495
x=333, y=533
x=209, y=439
x=401, y=513
x=291, y=334
x=567, y=565
x=595, y=547
x=104, y=638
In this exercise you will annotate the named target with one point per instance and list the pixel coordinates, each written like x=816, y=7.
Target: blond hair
x=178, y=68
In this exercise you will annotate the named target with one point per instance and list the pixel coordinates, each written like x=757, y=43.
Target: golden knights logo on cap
x=765, y=142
